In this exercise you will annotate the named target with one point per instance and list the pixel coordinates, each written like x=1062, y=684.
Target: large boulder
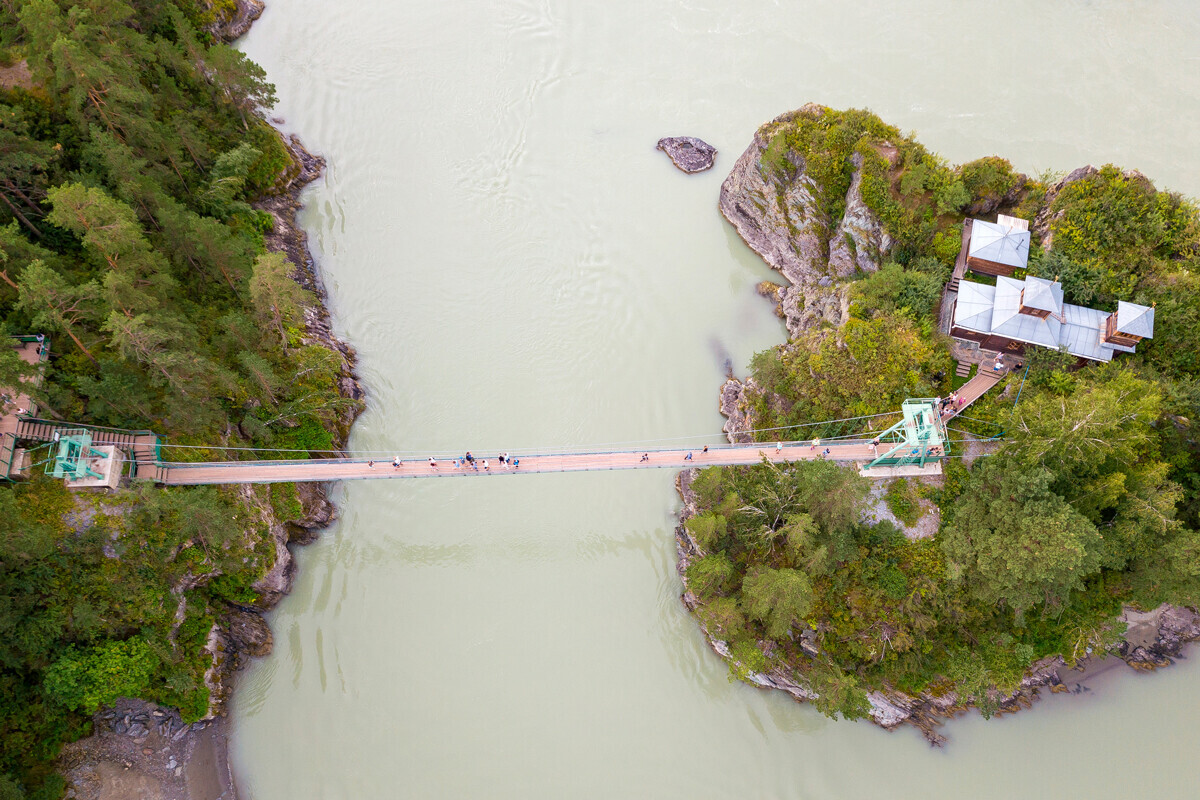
x=689, y=153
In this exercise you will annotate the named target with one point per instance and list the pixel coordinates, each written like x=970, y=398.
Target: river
x=518, y=267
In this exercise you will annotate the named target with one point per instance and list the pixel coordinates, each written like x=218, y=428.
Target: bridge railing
x=491, y=456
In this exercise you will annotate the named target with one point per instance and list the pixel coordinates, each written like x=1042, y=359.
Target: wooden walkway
x=960, y=263
x=978, y=386
x=178, y=474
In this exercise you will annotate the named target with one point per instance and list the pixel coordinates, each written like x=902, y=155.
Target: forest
x=132, y=153
x=1089, y=502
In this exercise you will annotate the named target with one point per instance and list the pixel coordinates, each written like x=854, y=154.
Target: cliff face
x=776, y=211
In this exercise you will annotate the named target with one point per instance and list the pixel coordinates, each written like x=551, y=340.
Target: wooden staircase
x=963, y=370
x=142, y=446
x=960, y=263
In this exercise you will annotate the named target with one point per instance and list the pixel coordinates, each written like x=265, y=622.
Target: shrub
x=88, y=679
x=902, y=500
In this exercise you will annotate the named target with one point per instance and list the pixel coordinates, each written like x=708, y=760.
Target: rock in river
x=689, y=153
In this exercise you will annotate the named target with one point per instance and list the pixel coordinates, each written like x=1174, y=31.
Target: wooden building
x=1013, y=314
x=998, y=248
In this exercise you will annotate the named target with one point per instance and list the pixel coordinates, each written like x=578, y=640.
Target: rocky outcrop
x=734, y=408
x=248, y=632
x=233, y=23
x=775, y=212
x=806, y=308
x=1155, y=638
x=688, y=153
x=859, y=242
x=142, y=750
x=778, y=218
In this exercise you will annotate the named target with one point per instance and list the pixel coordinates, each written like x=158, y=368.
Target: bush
x=88, y=679
x=902, y=500
x=987, y=180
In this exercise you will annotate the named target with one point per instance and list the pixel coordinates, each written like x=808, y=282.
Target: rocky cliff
x=777, y=213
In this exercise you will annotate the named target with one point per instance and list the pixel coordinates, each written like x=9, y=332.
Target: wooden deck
x=960, y=263
x=985, y=378
x=176, y=474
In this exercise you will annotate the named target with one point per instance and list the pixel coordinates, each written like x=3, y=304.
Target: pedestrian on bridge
x=688, y=457
x=778, y=448
x=485, y=465
x=432, y=463
x=645, y=457
x=370, y=465
x=396, y=462
x=705, y=450
x=815, y=444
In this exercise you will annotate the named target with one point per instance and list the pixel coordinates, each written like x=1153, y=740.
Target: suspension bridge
x=912, y=440
x=915, y=443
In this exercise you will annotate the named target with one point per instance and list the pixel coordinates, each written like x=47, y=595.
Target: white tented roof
x=996, y=310
x=998, y=243
x=1083, y=333
x=973, y=310
x=1135, y=320
x=1043, y=295
x=1008, y=321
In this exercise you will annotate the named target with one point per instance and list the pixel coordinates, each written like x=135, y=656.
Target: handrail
x=531, y=454
x=62, y=424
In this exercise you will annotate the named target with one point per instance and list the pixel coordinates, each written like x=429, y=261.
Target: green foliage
x=988, y=181
x=273, y=159
x=87, y=680
x=913, y=291
x=1115, y=229
x=869, y=367
x=130, y=240
x=1018, y=543
x=902, y=500
x=706, y=529
x=779, y=598
x=711, y=575
x=838, y=692
x=951, y=197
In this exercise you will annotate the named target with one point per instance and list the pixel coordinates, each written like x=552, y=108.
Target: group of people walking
x=949, y=405
x=467, y=461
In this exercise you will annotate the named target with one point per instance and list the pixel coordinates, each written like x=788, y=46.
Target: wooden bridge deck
x=178, y=474
x=978, y=386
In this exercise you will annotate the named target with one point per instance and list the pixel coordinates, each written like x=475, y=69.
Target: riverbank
x=1153, y=639
x=139, y=749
